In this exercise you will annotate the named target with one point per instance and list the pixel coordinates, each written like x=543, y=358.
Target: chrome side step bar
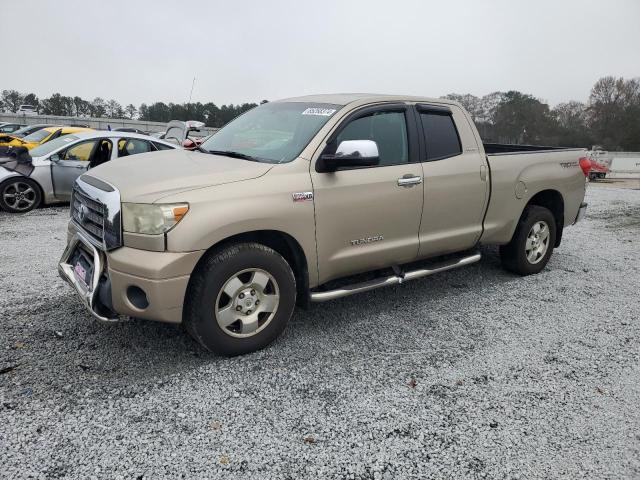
x=394, y=279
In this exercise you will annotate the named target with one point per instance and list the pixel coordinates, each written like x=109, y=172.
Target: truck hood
x=147, y=177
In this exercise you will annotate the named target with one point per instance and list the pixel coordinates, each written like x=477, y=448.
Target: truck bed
x=500, y=148
x=518, y=172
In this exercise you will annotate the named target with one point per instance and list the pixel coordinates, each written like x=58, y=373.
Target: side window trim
x=413, y=147
x=159, y=147
x=421, y=107
x=440, y=110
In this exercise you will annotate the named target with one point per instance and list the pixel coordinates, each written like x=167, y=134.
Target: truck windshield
x=272, y=133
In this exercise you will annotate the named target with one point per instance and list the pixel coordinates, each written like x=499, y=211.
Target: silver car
x=48, y=172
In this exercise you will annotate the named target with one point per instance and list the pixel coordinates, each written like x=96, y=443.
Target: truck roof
x=347, y=98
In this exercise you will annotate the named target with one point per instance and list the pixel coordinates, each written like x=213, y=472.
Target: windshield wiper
x=232, y=154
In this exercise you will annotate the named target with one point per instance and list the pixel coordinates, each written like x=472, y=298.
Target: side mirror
x=189, y=144
x=55, y=158
x=350, y=153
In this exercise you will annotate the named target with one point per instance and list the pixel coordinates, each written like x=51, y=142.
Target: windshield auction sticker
x=323, y=112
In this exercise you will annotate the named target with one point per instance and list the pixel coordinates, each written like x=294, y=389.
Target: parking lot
x=475, y=372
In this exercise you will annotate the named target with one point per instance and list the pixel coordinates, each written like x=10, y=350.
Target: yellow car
x=42, y=136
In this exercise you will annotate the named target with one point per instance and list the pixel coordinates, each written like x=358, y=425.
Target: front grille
x=95, y=209
x=88, y=214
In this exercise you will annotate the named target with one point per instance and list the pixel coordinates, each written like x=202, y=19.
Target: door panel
x=368, y=218
x=368, y=207
x=69, y=165
x=456, y=186
x=454, y=205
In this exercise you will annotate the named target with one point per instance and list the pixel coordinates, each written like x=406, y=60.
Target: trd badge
x=302, y=196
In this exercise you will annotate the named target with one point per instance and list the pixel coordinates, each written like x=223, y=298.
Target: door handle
x=409, y=181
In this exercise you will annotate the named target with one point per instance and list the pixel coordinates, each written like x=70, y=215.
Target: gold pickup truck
x=307, y=200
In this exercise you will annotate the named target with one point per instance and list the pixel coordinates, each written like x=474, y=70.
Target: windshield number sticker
x=323, y=112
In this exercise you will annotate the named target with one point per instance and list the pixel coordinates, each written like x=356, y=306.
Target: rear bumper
x=582, y=211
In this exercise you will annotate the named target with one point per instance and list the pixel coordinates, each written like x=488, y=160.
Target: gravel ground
x=474, y=373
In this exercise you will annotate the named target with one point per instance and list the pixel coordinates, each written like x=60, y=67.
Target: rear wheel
x=532, y=244
x=240, y=299
x=19, y=195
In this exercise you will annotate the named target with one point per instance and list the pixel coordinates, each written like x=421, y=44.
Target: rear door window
x=440, y=134
x=133, y=146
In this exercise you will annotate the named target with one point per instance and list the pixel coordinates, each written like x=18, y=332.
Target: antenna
x=191, y=94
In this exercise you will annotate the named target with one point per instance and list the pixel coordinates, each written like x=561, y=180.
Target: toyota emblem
x=82, y=212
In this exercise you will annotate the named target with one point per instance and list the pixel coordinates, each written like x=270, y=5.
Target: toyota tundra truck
x=310, y=199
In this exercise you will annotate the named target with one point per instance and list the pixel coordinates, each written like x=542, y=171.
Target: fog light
x=137, y=297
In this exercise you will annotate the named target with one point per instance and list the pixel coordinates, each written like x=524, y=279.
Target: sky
x=240, y=51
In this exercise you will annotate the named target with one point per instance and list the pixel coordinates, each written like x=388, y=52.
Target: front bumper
x=582, y=211
x=162, y=276
x=88, y=293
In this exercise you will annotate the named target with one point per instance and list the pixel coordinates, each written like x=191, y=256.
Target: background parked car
x=23, y=132
x=130, y=130
x=41, y=136
x=187, y=134
x=11, y=127
x=27, y=110
x=46, y=173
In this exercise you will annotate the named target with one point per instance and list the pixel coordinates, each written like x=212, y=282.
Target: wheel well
x=285, y=245
x=552, y=200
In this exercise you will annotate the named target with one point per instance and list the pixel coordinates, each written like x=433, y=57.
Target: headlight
x=152, y=218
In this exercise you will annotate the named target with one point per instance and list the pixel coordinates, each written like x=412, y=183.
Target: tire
x=520, y=255
x=19, y=195
x=257, y=279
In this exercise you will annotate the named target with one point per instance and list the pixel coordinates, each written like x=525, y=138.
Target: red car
x=598, y=169
x=187, y=134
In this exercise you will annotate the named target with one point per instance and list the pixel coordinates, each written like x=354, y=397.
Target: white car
x=27, y=110
x=46, y=174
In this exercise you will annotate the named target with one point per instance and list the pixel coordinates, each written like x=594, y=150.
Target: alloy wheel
x=537, y=242
x=247, y=303
x=19, y=195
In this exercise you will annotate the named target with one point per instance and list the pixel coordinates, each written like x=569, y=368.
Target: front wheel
x=532, y=244
x=240, y=299
x=19, y=195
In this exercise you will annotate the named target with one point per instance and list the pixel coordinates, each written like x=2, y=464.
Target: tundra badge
x=365, y=240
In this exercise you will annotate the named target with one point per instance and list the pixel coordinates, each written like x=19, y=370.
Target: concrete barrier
x=97, y=123
x=624, y=165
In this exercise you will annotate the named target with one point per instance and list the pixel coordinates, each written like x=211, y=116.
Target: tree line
x=61, y=105
x=610, y=118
